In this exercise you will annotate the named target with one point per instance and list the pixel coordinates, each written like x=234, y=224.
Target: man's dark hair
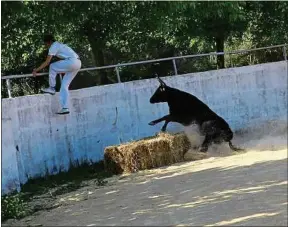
x=47, y=38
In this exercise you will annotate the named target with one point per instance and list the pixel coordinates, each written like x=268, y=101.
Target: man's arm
x=43, y=65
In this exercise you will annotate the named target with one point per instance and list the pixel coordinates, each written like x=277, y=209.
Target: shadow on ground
x=252, y=194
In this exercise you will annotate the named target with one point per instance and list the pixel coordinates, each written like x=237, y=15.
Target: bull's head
x=160, y=94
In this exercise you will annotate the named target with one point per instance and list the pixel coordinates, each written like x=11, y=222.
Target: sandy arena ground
x=247, y=189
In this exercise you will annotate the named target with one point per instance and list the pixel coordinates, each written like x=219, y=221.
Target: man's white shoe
x=49, y=90
x=64, y=111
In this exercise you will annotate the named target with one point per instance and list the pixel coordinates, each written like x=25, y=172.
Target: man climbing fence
x=69, y=64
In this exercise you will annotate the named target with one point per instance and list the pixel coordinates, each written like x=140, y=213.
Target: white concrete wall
x=48, y=143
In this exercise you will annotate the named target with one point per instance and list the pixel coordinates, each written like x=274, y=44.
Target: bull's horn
x=160, y=80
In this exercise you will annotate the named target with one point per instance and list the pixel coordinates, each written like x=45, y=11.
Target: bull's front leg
x=166, y=118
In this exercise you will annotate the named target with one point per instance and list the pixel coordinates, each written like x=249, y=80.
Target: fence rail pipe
x=155, y=60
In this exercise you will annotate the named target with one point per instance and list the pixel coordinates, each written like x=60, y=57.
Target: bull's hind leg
x=227, y=136
x=211, y=132
x=206, y=143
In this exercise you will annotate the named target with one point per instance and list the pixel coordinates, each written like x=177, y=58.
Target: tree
x=213, y=21
x=268, y=25
x=107, y=32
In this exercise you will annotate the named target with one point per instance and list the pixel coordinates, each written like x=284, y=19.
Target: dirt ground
x=247, y=189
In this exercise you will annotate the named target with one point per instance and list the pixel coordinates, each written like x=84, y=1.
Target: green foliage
x=268, y=22
x=13, y=207
x=268, y=26
x=111, y=32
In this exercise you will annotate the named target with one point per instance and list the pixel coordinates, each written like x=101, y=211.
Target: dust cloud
x=270, y=135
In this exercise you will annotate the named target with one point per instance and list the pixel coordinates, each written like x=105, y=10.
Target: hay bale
x=148, y=153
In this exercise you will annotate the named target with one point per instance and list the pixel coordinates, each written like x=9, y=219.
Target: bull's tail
x=235, y=148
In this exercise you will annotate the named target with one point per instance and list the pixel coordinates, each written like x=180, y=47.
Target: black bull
x=187, y=109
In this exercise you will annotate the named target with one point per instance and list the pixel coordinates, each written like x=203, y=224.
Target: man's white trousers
x=68, y=66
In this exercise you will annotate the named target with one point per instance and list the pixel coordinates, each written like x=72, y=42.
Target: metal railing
x=173, y=59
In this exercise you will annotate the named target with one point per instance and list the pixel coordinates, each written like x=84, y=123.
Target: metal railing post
x=175, y=67
x=118, y=75
x=284, y=53
x=8, y=88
